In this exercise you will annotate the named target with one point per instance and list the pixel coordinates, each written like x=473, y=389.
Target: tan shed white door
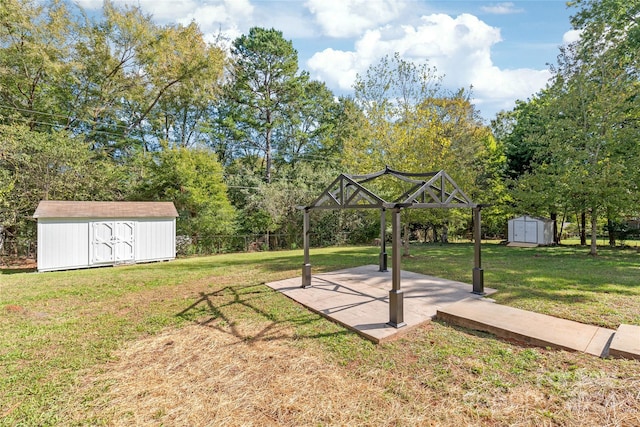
x=525, y=231
x=112, y=242
x=531, y=232
x=518, y=231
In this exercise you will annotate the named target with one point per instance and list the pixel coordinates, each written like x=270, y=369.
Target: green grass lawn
x=64, y=337
x=562, y=281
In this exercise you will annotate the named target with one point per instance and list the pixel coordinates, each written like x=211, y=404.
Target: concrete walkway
x=528, y=327
x=358, y=299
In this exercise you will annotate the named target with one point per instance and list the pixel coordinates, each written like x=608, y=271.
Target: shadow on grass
x=18, y=270
x=236, y=310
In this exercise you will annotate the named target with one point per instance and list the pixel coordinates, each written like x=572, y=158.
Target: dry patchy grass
x=206, y=375
x=202, y=342
x=226, y=371
x=203, y=376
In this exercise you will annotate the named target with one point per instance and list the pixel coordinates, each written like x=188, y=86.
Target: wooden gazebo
x=422, y=190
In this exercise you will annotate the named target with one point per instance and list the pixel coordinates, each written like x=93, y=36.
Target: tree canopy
x=117, y=107
x=574, y=146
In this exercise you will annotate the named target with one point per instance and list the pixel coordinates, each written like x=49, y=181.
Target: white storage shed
x=527, y=229
x=91, y=234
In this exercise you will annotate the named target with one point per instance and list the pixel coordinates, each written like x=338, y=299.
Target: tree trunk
x=267, y=174
x=594, y=234
x=612, y=233
x=554, y=218
x=583, y=229
x=445, y=234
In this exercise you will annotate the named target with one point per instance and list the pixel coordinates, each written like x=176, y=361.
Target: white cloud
x=571, y=36
x=337, y=68
x=496, y=89
x=460, y=48
x=227, y=16
x=349, y=18
x=505, y=8
x=454, y=45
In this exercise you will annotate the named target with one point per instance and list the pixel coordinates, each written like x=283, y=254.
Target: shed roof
x=68, y=209
x=537, y=218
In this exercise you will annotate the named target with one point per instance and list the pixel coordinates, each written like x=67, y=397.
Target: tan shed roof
x=60, y=209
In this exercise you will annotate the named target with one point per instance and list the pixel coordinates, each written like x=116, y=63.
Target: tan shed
x=91, y=234
x=530, y=230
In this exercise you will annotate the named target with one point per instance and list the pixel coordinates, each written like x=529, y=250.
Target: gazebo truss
x=423, y=190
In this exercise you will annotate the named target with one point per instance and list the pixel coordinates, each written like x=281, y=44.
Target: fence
x=13, y=249
x=17, y=248
x=213, y=244
x=258, y=242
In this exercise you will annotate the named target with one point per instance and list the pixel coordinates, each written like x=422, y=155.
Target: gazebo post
x=478, y=272
x=306, y=267
x=396, y=296
x=383, y=240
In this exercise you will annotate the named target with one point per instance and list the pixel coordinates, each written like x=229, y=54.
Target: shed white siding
x=527, y=229
x=156, y=239
x=74, y=234
x=62, y=244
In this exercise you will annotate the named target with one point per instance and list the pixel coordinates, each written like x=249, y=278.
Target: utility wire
x=304, y=157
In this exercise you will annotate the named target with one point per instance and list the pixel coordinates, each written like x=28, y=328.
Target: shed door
x=112, y=242
x=531, y=232
x=519, y=231
x=124, y=241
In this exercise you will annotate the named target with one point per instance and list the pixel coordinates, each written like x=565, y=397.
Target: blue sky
x=501, y=48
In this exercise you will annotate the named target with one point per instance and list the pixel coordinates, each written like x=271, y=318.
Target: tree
x=308, y=133
x=587, y=161
x=272, y=207
x=36, y=70
x=38, y=166
x=413, y=124
x=521, y=132
x=609, y=28
x=573, y=147
x=599, y=158
x=184, y=79
x=142, y=83
x=610, y=69
x=122, y=81
x=264, y=84
x=192, y=179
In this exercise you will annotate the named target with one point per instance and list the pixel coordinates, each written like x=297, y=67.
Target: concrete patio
x=358, y=298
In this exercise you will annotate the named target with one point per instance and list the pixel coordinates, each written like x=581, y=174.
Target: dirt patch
x=14, y=309
x=17, y=265
x=11, y=262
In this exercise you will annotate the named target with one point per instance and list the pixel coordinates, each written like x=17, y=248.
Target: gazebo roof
x=425, y=190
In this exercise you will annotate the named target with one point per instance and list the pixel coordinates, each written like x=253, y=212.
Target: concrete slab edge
x=499, y=332
x=626, y=342
x=621, y=354
x=376, y=340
